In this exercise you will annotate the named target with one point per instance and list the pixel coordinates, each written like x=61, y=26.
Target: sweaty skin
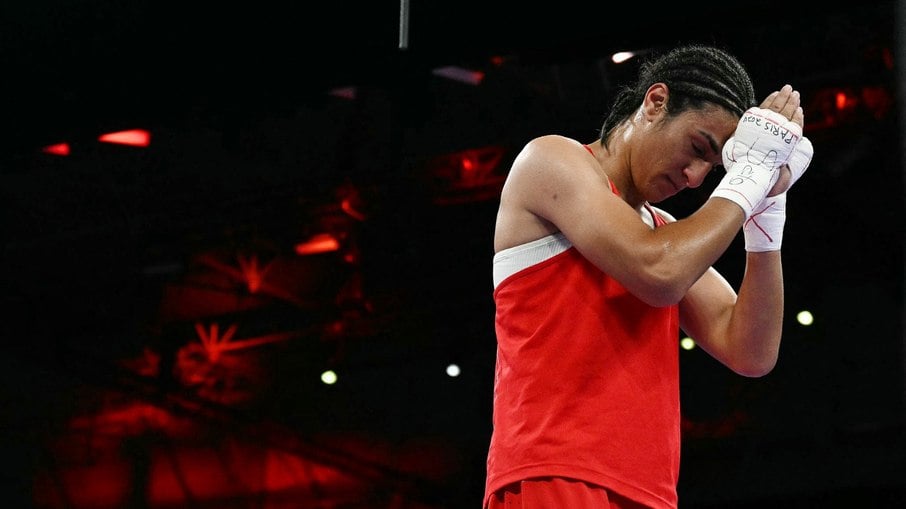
x=556, y=185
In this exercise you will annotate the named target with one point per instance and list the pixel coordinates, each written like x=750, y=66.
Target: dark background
x=114, y=255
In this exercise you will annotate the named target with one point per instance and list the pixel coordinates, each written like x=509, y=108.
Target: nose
x=696, y=172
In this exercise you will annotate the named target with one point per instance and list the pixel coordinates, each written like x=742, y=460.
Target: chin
x=658, y=197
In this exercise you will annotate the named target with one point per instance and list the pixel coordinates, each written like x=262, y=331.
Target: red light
x=317, y=244
x=837, y=106
x=132, y=137
x=841, y=101
x=460, y=74
x=254, y=276
x=349, y=206
x=211, y=339
x=58, y=149
x=877, y=100
x=469, y=175
x=469, y=168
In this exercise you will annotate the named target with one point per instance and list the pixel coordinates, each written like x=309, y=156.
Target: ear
x=655, y=102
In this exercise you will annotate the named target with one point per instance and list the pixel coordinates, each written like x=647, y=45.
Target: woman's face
x=678, y=152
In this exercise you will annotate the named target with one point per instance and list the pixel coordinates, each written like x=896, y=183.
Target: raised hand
x=763, y=230
x=763, y=141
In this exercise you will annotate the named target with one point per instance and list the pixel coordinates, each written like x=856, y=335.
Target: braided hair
x=696, y=75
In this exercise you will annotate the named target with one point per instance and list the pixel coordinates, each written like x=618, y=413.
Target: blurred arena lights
x=805, y=317
x=131, y=137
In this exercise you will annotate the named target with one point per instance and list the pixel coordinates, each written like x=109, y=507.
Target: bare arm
x=556, y=185
x=554, y=178
x=743, y=332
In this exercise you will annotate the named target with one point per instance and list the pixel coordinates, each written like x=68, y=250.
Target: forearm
x=683, y=250
x=756, y=323
x=763, y=142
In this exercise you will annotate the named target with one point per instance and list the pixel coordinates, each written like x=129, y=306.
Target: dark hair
x=695, y=75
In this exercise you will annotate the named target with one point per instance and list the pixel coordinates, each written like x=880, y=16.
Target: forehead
x=714, y=120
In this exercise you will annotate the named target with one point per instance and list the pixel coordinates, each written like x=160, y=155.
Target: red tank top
x=586, y=382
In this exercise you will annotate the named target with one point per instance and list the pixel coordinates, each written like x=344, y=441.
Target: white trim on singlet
x=513, y=259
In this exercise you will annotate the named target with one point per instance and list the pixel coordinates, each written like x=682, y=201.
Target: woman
x=592, y=282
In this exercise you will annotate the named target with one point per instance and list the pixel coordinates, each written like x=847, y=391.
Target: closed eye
x=700, y=153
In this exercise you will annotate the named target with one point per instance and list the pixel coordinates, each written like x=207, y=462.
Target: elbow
x=663, y=288
x=664, y=280
x=755, y=371
x=661, y=296
x=755, y=367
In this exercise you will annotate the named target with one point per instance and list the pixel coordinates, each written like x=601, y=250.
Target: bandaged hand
x=763, y=230
x=764, y=140
x=800, y=160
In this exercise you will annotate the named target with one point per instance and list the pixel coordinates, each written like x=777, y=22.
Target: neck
x=615, y=164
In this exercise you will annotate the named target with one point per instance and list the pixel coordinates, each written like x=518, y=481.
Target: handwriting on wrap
x=771, y=127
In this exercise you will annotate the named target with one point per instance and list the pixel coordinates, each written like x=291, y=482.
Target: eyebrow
x=711, y=141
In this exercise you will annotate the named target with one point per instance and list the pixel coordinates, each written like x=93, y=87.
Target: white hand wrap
x=764, y=140
x=763, y=231
x=800, y=159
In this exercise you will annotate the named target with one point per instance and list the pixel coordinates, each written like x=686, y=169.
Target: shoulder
x=553, y=144
x=545, y=185
x=552, y=152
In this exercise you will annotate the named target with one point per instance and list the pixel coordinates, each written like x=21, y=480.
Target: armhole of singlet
x=518, y=258
x=656, y=219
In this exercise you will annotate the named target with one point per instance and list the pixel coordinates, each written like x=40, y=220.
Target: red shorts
x=557, y=492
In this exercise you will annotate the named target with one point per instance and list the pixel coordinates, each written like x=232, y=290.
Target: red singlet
x=587, y=377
